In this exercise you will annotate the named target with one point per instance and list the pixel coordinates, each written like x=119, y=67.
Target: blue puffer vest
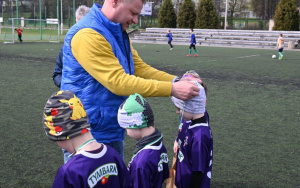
x=100, y=104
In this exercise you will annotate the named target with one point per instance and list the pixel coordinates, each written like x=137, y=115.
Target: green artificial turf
x=253, y=103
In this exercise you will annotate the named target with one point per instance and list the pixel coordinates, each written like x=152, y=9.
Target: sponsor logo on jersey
x=102, y=172
x=179, y=143
x=163, y=159
x=180, y=156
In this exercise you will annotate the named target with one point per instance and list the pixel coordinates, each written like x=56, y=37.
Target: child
x=149, y=164
x=20, y=31
x=192, y=44
x=195, y=142
x=92, y=164
x=169, y=34
x=280, y=46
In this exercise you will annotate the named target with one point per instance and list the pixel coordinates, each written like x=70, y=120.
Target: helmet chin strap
x=181, y=116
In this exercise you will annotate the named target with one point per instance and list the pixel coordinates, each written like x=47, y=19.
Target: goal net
x=34, y=30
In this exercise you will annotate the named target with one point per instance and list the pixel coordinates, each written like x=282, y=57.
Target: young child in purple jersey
x=149, y=164
x=92, y=164
x=194, y=144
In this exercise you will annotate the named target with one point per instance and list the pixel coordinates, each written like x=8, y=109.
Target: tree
x=236, y=6
x=218, y=6
x=166, y=16
x=264, y=9
x=156, y=5
x=45, y=11
x=34, y=10
x=286, y=16
x=186, y=16
x=206, y=15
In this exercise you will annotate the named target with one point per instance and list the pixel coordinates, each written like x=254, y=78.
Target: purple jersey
x=102, y=169
x=149, y=167
x=195, y=144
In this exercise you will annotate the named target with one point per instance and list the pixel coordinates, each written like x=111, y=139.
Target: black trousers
x=20, y=38
x=192, y=46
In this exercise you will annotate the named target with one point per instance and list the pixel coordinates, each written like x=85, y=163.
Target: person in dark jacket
x=80, y=12
x=58, y=69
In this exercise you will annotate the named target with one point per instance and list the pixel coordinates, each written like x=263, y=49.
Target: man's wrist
x=176, y=79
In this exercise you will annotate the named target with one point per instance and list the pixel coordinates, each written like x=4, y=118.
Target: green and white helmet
x=135, y=113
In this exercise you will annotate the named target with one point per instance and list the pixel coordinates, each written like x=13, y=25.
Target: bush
x=186, y=15
x=206, y=15
x=166, y=16
x=286, y=16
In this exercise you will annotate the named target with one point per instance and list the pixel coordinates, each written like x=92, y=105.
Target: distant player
x=192, y=44
x=20, y=31
x=93, y=164
x=194, y=145
x=169, y=34
x=280, y=46
x=149, y=165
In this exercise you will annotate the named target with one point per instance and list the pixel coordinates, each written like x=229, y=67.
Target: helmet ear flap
x=122, y=105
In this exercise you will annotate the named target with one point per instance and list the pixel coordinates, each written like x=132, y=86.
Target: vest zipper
x=127, y=55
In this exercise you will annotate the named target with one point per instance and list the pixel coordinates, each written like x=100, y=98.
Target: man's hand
x=184, y=90
x=192, y=79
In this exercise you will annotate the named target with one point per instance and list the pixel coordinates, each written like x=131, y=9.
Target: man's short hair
x=144, y=1
x=81, y=11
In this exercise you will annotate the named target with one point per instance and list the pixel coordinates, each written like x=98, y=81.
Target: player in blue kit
x=149, y=164
x=93, y=164
x=170, y=38
x=194, y=145
x=192, y=44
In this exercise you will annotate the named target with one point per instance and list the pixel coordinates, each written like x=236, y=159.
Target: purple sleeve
x=125, y=177
x=199, y=155
x=139, y=178
x=60, y=179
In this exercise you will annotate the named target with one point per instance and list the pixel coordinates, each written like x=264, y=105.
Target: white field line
x=242, y=57
x=210, y=61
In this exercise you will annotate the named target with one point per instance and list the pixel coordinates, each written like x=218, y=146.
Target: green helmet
x=135, y=113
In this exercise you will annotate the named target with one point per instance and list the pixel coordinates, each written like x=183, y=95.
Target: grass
x=253, y=102
x=31, y=33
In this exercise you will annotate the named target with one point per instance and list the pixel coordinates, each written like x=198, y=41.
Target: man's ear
x=115, y=3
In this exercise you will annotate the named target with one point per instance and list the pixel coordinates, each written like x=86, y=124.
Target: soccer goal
x=34, y=30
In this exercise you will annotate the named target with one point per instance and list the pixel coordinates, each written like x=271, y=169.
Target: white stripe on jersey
x=198, y=125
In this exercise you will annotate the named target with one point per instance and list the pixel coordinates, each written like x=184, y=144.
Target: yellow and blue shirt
x=102, y=68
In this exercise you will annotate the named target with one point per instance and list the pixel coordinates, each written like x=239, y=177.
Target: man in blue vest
x=102, y=68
